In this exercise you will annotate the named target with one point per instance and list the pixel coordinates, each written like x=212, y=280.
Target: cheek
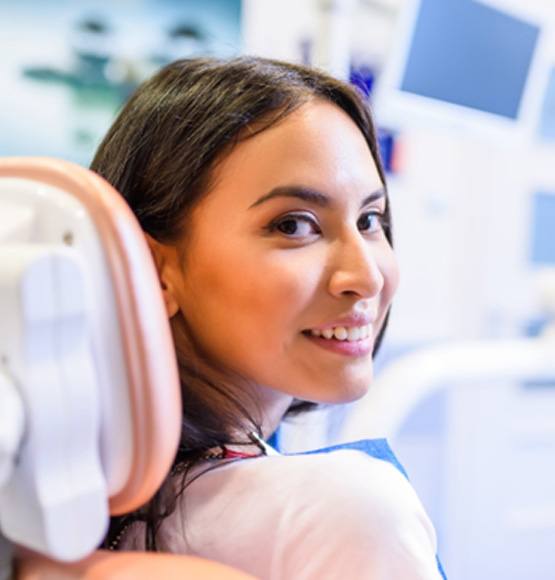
x=260, y=304
x=276, y=289
x=256, y=298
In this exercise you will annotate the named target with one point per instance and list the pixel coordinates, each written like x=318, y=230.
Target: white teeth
x=328, y=333
x=340, y=332
x=351, y=334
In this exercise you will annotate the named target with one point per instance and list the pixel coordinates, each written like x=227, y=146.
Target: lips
x=354, y=348
x=355, y=320
x=350, y=321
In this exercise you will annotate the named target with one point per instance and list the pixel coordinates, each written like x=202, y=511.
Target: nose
x=356, y=268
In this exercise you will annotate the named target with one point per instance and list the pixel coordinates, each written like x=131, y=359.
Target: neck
x=274, y=406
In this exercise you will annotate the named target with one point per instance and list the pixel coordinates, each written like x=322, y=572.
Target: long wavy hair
x=160, y=154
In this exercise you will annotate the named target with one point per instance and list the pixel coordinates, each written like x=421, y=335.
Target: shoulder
x=347, y=475
x=347, y=510
x=347, y=488
x=345, y=481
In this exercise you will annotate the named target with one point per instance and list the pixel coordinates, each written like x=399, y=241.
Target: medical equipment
x=90, y=409
x=472, y=422
x=463, y=65
x=415, y=376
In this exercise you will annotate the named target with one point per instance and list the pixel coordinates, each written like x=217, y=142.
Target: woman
x=260, y=189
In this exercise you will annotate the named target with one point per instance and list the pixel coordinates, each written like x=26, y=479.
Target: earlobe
x=172, y=307
x=165, y=260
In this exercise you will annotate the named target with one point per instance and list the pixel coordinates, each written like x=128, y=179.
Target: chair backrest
x=113, y=370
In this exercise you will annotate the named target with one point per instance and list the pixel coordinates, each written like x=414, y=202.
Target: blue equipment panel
x=543, y=229
x=546, y=127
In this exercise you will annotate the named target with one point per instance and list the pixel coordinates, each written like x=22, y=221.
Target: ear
x=166, y=260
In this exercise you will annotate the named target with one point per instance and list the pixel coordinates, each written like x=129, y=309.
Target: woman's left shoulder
x=362, y=508
x=347, y=477
x=345, y=485
x=322, y=515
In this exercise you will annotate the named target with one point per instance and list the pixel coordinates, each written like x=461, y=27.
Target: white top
x=338, y=515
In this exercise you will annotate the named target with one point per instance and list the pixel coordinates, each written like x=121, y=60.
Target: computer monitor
x=459, y=62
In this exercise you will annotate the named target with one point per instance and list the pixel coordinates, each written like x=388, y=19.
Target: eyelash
x=273, y=227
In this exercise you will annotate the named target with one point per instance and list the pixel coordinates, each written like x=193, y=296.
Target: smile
x=343, y=333
x=353, y=342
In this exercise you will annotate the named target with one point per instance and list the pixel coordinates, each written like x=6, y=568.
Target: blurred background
x=463, y=92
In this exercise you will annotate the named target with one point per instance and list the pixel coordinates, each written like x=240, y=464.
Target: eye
x=295, y=226
x=371, y=222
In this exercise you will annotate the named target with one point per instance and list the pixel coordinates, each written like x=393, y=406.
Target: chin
x=346, y=393
x=356, y=387
x=356, y=393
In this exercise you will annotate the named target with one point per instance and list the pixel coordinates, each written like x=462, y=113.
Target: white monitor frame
x=398, y=109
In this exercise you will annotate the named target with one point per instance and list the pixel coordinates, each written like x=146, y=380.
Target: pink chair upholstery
x=125, y=566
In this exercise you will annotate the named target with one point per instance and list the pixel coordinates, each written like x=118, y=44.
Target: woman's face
x=288, y=241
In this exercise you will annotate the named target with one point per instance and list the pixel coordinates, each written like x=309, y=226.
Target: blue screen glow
x=543, y=229
x=546, y=127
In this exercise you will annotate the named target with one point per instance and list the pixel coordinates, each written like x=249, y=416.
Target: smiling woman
x=262, y=196
x=303, y=264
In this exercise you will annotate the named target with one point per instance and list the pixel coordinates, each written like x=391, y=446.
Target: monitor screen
x=465, y=53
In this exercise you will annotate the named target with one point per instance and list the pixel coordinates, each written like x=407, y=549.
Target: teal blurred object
x=70, y=65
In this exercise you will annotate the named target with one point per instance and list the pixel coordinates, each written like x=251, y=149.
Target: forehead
x=317, y=146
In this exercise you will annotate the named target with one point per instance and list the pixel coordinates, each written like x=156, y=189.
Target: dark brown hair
x=160, y=154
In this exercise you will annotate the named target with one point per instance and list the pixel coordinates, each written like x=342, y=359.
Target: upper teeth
x=343, y=333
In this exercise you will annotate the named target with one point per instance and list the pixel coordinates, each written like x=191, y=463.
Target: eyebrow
x=311, y=196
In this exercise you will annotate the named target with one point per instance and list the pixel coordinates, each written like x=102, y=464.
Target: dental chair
x=90, y=409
